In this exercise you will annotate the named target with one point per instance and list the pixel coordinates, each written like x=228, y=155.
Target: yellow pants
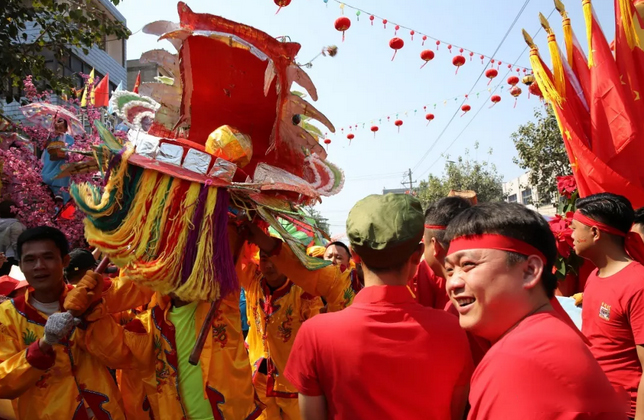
x=276, y=408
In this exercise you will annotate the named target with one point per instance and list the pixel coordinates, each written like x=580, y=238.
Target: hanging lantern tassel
x=426, y=56
x=458, y=61
x=429, y=118
x=281, y=3
x=396, y=44
x=342, y=24
x=495, y=100
x=465, y=108
x=516, y=92
x=327, y=142
x=350, y=137
x=491, y=74
x=398, y=124
x=374, y=129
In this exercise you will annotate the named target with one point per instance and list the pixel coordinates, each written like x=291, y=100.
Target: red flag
x=629, y=51
x=137, y=83
x=102, y=92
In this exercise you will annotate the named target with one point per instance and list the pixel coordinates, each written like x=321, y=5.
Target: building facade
x=148, y=72
x=519, y=190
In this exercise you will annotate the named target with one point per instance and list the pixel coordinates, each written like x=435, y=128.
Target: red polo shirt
x=384, y=357
x=429, y=288
x=542, y=370
x=613, y=321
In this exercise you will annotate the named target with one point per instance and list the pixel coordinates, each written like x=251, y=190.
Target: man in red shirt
x=429, y=280
x=613, y=307
x=386, y=356
x=500, y=280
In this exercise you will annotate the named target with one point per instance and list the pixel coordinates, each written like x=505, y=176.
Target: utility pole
x=411, y=182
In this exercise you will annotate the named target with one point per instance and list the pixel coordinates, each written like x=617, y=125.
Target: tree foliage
x=542, y=152
x=464, y=174
x=320, y=221
x=59, y=25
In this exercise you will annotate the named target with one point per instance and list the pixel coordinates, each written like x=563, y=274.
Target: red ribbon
x=494, y=241
x=435, y=227
x=633, y=243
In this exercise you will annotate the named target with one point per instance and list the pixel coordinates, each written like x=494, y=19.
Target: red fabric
x=137, y=83
x=494, y=241
x=613, y=321
x=634, y=245
x=384, y=357
x=428, y=287
x=478, y=346
x=102, y=92
x=561, y=313
x=435, y=227
x=7, y=285
x=526, y=375
x=38, y=359
x=585, y=220
x=630, y=61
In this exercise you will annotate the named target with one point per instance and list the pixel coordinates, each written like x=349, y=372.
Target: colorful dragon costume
x=224, y=140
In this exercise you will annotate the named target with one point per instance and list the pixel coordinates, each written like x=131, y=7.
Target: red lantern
x=495, y=100
x=412, y=33
x=513, y=80
x=374, y=129
x=438, y=43
x=396, y=30
x=371, y=18
x=342, y=24
x=426, y=56
x=281, y=3
x=449, y=47
x=398, y=123
x=458, y=61
x=429, y=118
x=327, y=142
x=499, y=64
x=535, y=90
x=515, y=91
x=471, y=55
x=482, y=59
x=491, y=74
x=384, y=22
x=465, y=108
x=350, y=137
x=510, y=66
x=424, y=39
x=396, y=44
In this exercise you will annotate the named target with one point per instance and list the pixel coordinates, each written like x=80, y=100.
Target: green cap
x=384, y=230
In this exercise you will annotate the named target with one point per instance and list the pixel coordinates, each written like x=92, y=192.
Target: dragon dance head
x=223, y=140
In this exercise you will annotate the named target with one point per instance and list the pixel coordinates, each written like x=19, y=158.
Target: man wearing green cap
x=386, y=356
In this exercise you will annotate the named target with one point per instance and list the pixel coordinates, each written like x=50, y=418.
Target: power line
x=481, y=108
x=516, y=19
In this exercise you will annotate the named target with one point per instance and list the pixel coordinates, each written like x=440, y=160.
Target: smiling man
x=500, y=280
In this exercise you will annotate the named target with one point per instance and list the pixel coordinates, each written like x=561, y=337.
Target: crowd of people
x=448, y=313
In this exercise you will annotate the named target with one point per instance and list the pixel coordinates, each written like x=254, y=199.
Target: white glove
x=58, y=326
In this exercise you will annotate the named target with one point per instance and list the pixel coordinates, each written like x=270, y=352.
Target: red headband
x=494, y=241
x=435, y=227
x=585, y=220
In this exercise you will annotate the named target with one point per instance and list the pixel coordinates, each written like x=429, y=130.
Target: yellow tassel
x=588, y=16
x=627, y=22
x=153, y=215
x=568, y=37
x=557, y=65
x=201, y=285
x=155, y=240
x=545, y=83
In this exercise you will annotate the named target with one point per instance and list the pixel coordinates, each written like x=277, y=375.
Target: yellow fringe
x=115, y=182
x=155, y=242
x=568, y=38
x=588, y=16
x=152, y=216
x=557, y=65
x=546, y=85
x=627, y=22
x=201, y=285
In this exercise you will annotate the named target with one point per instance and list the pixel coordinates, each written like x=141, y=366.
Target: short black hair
x=6, y=210
x=611, y=209
x=80, y=259
x=639, y=216
x=341, y=245
x=43, y=233
x=442, y=212
x=514, y=221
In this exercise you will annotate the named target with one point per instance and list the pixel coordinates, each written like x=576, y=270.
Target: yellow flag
x=90, y=82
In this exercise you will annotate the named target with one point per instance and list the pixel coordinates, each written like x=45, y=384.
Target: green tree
x=320, y=221
x=542, y=152
x=464, y=174
x=60, y=25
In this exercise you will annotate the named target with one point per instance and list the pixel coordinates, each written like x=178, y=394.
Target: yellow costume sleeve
x=124, y=295
x=17, y=375
x=246, y=269
x=330, y=282
x=311, y=307
x=119, y=347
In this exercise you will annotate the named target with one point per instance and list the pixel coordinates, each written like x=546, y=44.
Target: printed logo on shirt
x=604, y=311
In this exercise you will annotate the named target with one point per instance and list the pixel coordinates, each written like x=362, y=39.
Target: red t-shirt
x=613, y=320
x=383, y=357
x=429, y=288
x=542, y=370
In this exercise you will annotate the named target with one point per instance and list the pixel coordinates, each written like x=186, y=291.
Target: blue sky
x=362, y=84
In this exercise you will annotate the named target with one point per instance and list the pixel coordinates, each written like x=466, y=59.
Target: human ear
x=532, y=271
